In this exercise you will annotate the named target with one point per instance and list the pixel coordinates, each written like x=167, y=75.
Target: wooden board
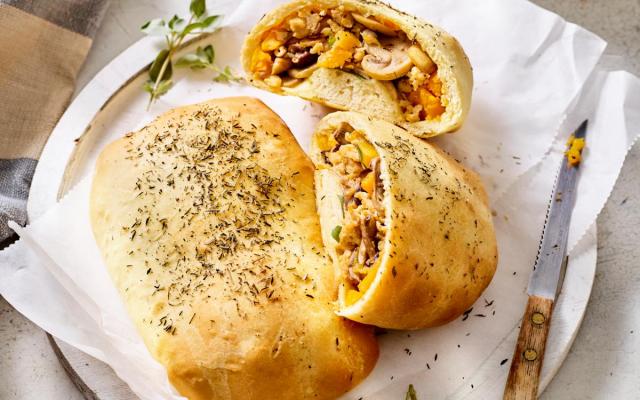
x=101, y=109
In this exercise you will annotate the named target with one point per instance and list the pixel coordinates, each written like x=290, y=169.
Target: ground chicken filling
x=360, y=236
x=363, y=45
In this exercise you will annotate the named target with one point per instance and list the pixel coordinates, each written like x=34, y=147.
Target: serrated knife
x=545, y=281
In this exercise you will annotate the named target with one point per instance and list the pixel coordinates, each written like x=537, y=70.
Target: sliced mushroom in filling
x=364, y=45
x=360, y=236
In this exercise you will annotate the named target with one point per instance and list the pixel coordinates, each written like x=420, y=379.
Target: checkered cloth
x=43, y=44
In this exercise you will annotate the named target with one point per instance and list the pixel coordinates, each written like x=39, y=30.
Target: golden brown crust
x=369, y=96
x=206, y=221
x=440, y=250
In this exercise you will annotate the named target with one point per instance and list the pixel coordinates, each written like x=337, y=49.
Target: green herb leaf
x=206, y=25
x=411, y=394
x=156, y=67
x=155, y=27
x=148, y=86
x=206, y=53
x=335, y=233
x=227, y=75
x=192, y=61
x=331, y=40
x=163, y=87
x=202, y=58
x=174, y=22
x=198, y=7
x=208, y=22
x=191, y=27
x=224, y=76
x=221, y=78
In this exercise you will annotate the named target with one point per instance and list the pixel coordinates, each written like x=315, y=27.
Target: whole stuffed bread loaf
x=409, y=228
x=364, y=56
x=206, y=221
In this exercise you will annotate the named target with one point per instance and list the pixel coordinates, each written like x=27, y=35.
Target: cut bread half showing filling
x=409, y=228
x=312, y=40
x=351, y=206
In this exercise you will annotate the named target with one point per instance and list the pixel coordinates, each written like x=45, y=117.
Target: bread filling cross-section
x=367, y=46
x=351, y=170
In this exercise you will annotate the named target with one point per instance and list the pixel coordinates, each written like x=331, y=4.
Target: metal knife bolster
x=548, y=274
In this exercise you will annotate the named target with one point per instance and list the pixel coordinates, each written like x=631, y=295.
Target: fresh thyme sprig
x=175, y=31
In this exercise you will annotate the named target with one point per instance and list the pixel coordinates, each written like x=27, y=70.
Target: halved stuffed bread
x=408, y=227
x=363, y=56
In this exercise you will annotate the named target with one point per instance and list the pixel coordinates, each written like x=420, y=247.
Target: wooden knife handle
x=524, y=375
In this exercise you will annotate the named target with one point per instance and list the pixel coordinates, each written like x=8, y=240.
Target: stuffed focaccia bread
x=362, y=56
x=408, y=227
x=206, y=220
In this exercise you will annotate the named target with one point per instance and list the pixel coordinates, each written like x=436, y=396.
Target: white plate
x=464, y=358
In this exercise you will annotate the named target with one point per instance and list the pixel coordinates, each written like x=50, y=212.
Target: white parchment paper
x=534, y=78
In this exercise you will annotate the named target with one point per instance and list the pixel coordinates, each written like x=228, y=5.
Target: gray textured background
x=603, y=363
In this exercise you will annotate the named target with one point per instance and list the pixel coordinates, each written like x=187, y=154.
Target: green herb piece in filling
x=335, y=233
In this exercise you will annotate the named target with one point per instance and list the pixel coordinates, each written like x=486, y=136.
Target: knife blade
x=548, y=272
x=546, y=279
